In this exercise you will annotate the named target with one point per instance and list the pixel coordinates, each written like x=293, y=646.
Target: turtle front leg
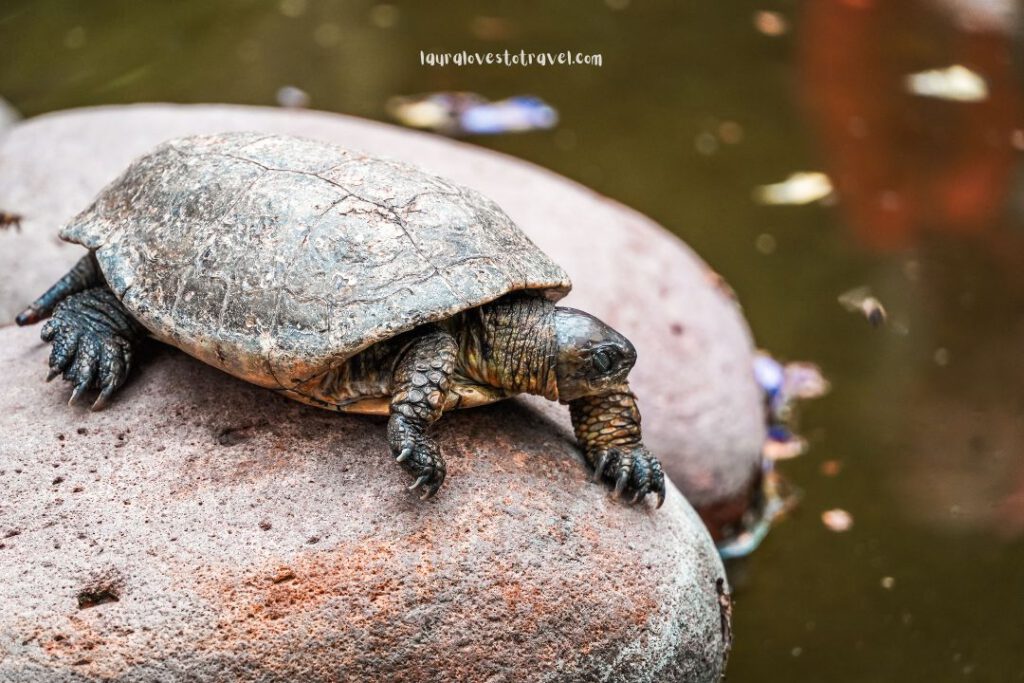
x=608, y=429
x=93, y=337
x=419, y=387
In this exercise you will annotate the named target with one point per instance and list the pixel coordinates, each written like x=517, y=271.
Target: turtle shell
x=276, y=258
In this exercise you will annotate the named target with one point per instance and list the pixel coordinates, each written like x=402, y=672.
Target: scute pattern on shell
x=274, y=258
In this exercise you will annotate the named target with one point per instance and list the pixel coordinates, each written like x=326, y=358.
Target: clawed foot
x=88, y=356
x=633, y=472
x=418, y=454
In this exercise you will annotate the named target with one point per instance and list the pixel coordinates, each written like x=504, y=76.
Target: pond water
x=696, y=103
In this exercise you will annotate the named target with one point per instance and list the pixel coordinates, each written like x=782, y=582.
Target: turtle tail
x=84, y=275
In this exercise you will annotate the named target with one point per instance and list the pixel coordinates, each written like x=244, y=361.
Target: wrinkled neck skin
x=608, y=421
x=510, y=343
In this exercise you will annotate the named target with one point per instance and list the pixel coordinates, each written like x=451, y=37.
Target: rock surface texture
x=702, y=411
x=202, y=528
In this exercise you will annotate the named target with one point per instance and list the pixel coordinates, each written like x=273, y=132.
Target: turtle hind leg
x=420, y=386
x=93, y=337
x=84, y=275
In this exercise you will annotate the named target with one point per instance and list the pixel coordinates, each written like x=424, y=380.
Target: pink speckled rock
x=205, y=529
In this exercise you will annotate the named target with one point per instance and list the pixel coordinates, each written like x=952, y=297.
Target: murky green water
x=926, y=418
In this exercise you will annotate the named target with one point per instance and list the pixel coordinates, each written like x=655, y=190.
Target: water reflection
x=942, y=181
x=906, y=165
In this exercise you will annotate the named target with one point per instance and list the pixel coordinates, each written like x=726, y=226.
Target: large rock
x=202, y=528
x=702, y=411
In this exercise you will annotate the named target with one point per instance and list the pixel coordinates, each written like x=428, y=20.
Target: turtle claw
x=602, y=460
x=657, y=482
x=430, y=485
x=425, y=463
x=417, y=454
x=76, y=394
x=620, y=483
x=631, y=472
x=51, y=374
x=101, y=400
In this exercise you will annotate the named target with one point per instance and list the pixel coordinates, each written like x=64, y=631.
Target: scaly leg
x=608, y=429
x=93, y=336
x=418, y=390
x=84, y=275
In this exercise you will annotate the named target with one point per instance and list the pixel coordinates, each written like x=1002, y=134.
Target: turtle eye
x=603, y=360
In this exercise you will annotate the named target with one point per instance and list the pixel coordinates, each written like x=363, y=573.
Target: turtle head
x=592, y=357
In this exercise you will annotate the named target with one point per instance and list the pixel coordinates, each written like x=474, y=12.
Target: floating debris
x=730, y=132
x=803, y=187
x=782, y=385
x=860, y=300
x=9, y=220
x=831, y=468
x=516, y=114
x=782, y=444
x=956, y=83
x=888, y=583
x=437, y=111
x=803, y=381
x=705, y=143
x=837, y=520
x=291, y=97
x=766, y=243
x=770, y=23
x=778, y=499
x=785, y=384
x=769, y=373
x=465, y=113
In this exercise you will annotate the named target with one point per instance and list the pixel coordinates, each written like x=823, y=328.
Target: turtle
x=343, y=280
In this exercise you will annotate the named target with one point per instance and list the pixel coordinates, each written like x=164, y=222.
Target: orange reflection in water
x=903, y=164
x=907, y=169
